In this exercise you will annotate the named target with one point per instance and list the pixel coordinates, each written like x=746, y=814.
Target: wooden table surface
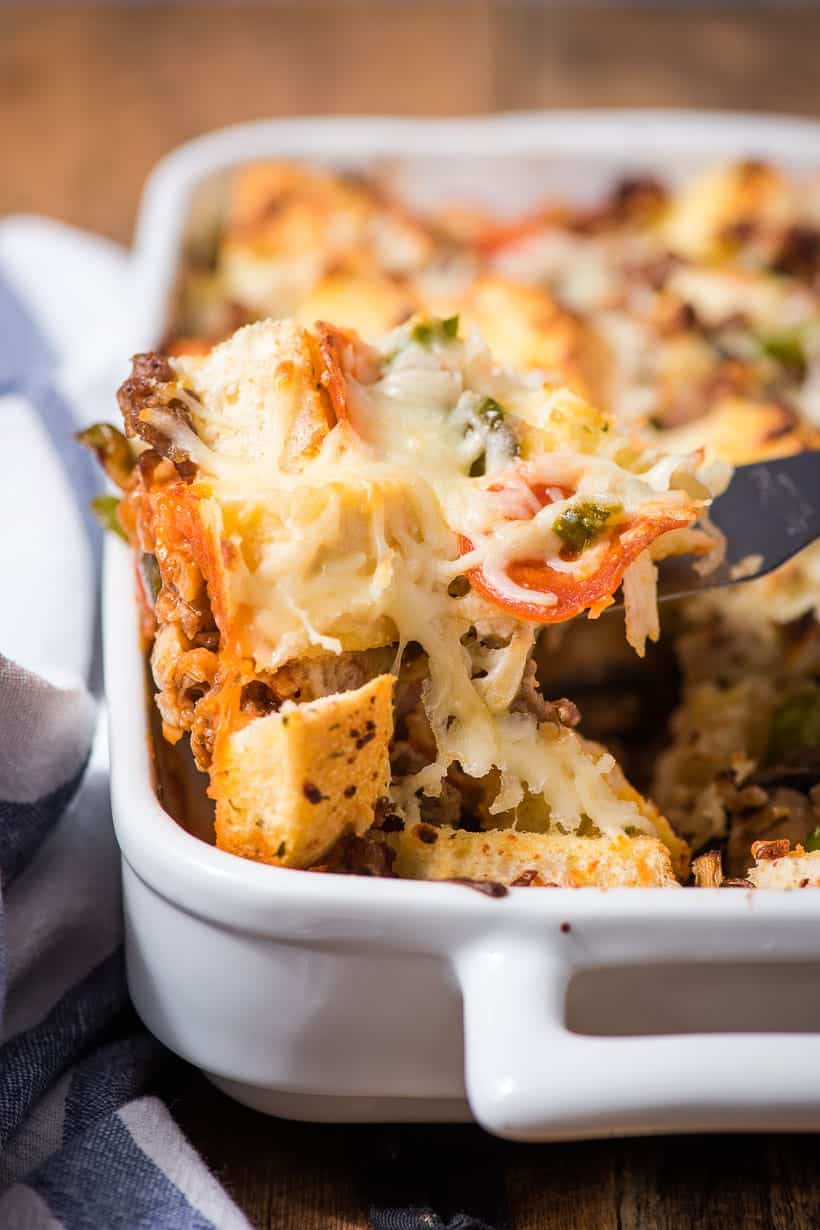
x=89, y=99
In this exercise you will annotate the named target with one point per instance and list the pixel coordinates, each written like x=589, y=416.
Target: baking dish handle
x=528, y=1077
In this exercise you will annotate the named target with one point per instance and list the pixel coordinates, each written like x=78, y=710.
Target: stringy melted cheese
x=358, y=546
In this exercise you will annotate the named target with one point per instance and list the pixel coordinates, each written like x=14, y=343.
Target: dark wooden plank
x=285, y=1176
x=739, y=57
x=320, y=1177
x=674, y=1183
x=90, y=98
x=564, y=1187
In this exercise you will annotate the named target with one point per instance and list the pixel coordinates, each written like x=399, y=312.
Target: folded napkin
x=83, y=1143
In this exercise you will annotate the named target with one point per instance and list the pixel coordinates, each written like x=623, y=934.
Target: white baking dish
x=544, y=1014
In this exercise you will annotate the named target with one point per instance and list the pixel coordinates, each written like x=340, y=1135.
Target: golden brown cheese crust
x=371, y=302
x=525, y=328
x=288, y=208
x=743, y=431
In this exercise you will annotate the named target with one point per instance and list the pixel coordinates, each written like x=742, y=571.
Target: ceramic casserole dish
x=543, y=1015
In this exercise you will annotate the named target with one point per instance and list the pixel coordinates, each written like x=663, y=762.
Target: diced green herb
x=492, y=416
x=785, y=347
x=582, y=523
x=586, y=828
x=795, y=725
x=422, y=332
x=491, y=413
x=113, y=451
x=105, y=509
x=427, y=331
x=813, y=840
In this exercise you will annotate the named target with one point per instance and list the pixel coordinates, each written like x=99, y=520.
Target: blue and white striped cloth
x=83, y=1144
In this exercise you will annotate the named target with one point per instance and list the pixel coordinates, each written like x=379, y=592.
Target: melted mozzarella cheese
x=357, y=547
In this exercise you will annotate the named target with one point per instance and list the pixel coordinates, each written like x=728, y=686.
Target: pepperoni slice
x=576, y=593
x=332, y=344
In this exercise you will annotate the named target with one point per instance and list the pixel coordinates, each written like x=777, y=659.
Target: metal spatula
x=771, y=510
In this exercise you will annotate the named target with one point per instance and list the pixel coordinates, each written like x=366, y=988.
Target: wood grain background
x=89, y=99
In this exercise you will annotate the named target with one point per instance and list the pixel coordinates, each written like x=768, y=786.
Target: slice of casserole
x=350, y=550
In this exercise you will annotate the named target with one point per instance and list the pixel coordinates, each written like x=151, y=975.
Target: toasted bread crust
x=289, y=785
x=427, y=853
x=526, y=328
x=797, y=869
x=742, y=431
